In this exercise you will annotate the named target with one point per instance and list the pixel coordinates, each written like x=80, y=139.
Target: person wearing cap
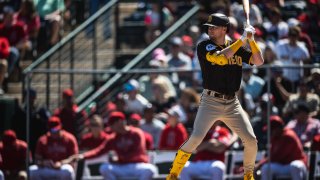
x=287, y=157
x=210, y=155
x=292, y=52
x=135, y=121
x=130, y=147
x=96, y=136
x=13, y=156
x=275, y=27
x=151, y=124
x=221, y=64
x=174, y=133
x=134, y=101
x=68, y=113
x=178, y=59
x=314, y=81
x=304, y=125
x=39, y=116
x=52, y=153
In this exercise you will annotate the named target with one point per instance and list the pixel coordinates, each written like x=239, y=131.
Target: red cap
x=116, y=116
x=9, y=136
x=187, y=40
x=4, y=47
x=135, y=117
x=54, y=123
x=275, y=121
x=67, y=93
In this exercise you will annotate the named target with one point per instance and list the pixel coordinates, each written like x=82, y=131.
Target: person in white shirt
x=292, y=52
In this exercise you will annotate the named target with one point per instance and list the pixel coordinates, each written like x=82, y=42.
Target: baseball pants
x=66, y=172
x=231, y=113
x=296, y=170
x=142, y=171
x=211, y=169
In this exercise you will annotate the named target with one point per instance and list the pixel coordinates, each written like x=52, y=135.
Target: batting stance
x=221, y=64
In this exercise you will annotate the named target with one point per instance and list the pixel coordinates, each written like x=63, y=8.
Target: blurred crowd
x=156, y=111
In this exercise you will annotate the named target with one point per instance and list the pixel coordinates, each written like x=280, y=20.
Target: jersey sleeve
x=246, y=55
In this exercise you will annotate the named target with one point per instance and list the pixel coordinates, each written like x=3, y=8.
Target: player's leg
x=209, y=110
x=238, y=121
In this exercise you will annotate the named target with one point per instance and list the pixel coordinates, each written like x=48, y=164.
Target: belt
x=219, y=95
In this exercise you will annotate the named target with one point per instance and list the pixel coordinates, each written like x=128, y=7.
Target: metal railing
x=88, y=46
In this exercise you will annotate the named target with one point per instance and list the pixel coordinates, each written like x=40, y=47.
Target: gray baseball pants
x=231, y=113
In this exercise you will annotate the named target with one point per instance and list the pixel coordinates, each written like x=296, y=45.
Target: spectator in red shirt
x=209, y=158
x=14, y=31
x=96, y=136
x=52, y=151
x=68, y=113
x=129, y=145
x=10, y=54
x=134, y=121
x=287, y=156
x=174, y=134
x=13, y=156
x=28, y=15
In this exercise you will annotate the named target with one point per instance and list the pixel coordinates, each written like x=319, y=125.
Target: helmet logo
x=210, y=19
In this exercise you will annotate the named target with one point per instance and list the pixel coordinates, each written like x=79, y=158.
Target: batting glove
x=250, y=32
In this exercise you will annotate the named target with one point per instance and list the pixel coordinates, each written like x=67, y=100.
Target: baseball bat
x=246, y=9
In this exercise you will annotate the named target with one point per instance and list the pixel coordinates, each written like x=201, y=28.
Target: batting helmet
x=216, y=20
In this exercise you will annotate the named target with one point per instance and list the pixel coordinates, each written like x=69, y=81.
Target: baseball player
x=52, y=152
x=221, y=64
x=209, y=158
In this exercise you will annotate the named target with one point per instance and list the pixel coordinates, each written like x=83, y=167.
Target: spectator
x=315, y=144
x=152, y=21
x=292, y=52
x=3, y=71
x=187, y=45
x=10, y=54
x=39, y=116
x=162, y=94
x=174, y=133
x=303, y=96
x=53, y=149
x=275, y=28
x=188, y=98
x=68, y=113
x=177, y=59
x=246, y=101
x=13, y=156
x=27, y=14
x=314, y=81
x=252, y=84
x=134, y=101
x=232, y=30
x=129, y=145
x=210, y=155
x=255, y=14
x=259, y=121
x=16, y=34
x=134, y=121
x=303, y=125
x=278, y=83
x=269, y=56
x=96, y=136
x=152, y=125
x=1, y=175
x=50, y=12
x=287, y=157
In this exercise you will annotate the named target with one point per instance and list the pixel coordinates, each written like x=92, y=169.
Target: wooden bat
x=246, y=9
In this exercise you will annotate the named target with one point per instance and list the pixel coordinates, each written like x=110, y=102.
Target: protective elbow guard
x=217, y=58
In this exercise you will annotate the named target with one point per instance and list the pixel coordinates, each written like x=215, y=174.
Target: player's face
x=216, y=32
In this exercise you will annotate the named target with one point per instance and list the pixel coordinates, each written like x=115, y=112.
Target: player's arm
x=221, y=57
x=257, y=58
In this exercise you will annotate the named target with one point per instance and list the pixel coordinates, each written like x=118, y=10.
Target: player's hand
x=250, y=32
x=56, y=165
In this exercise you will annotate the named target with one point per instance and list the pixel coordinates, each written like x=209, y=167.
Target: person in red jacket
x=130, y=148
x=287, y=156
x=209, y=158
x=13, y=156
x=134, y=121
x=68, y=113
x=96, y=136
x=52, y=152
x=174, y=133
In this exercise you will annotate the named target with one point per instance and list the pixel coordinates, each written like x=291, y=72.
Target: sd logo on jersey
x=210, y=47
